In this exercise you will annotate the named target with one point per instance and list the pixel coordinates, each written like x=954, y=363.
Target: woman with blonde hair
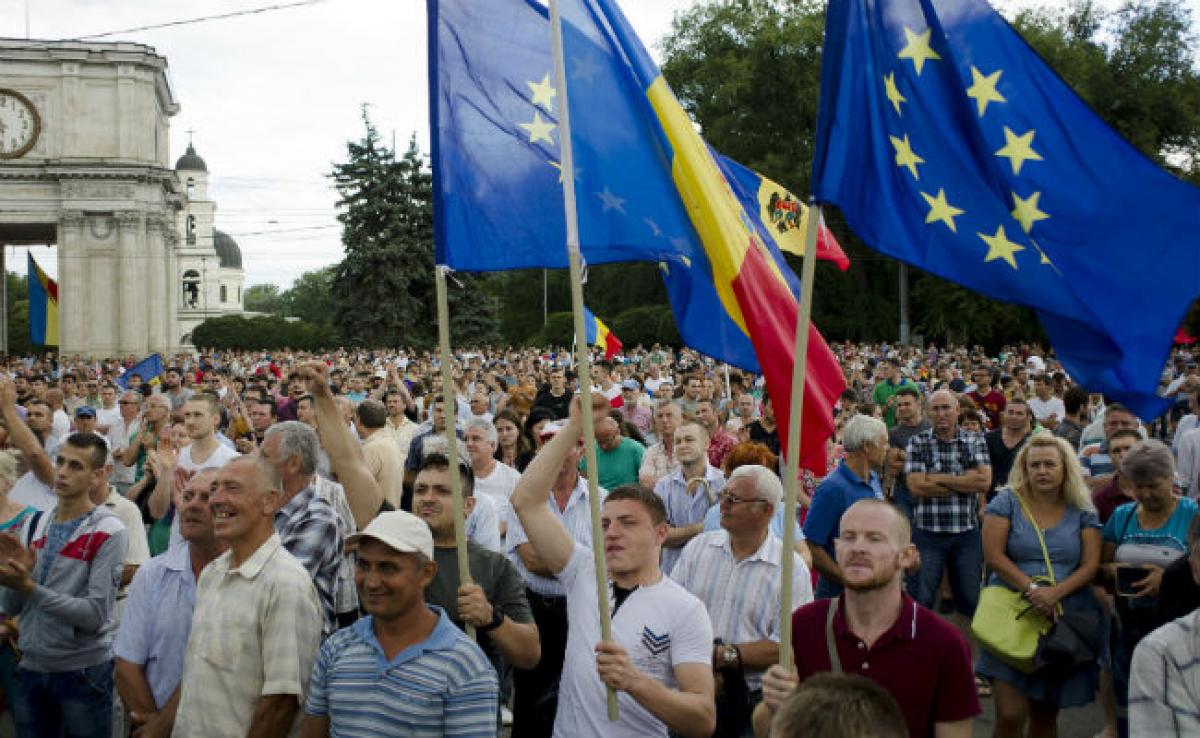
x=1046, y=500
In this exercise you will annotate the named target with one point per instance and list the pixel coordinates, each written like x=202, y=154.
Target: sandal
x=983, y=688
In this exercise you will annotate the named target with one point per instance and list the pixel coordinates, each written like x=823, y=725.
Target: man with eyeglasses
x=735, y=571
x=120, y=434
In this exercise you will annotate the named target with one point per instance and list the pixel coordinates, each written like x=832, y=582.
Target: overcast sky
x=273, y=98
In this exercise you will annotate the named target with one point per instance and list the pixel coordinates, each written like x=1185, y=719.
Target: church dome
x=229, y=254
x=191, y=161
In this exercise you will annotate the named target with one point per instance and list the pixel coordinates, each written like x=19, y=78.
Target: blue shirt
x=442, y=686
x=158, y=620
x=841, y=489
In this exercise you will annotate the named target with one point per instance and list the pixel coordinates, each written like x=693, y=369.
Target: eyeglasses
x=127, y=402
x=733, y=499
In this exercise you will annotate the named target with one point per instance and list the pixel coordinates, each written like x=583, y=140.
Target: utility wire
x=201, y=19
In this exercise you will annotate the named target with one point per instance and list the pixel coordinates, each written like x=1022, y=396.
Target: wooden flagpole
x=582, y=362
x=450, y=410
x=795, y=425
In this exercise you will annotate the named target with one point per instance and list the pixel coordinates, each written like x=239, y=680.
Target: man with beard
x=877, y=631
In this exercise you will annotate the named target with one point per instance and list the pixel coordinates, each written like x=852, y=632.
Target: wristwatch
x=1033, y=587
x=497, y=619
x=730, y=656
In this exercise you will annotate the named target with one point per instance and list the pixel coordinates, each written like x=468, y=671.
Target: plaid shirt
x=309, y=529
x=929, y=454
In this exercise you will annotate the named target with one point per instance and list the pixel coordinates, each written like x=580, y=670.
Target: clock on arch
x=20, y=124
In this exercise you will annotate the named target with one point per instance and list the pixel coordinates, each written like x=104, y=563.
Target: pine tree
x=383, y=291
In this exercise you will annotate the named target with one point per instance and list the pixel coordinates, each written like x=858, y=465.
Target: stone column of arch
x=73, y=288
x=159, y=286
x=133, y=320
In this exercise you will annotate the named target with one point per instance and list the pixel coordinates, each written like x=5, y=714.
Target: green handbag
x=1007, y=624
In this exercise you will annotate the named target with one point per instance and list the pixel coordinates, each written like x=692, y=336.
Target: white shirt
x=1186, y=423
x=1043, y=409
x=118, y=441
x=29, y=490
x=217, y=459
x=60, y=426
x=1188, y=468
x=661, y=625
x=483, y=525
x=498, y=487
x=137, y=549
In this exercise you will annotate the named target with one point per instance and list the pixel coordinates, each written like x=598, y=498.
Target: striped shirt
x=928, y=454
x=442, y=686
x=742, y=597
x=1164, y=681
x=255, y=632
x=576, y=517
x=684, y=508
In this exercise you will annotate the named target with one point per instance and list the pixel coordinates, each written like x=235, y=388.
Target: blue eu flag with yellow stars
x=949, y=144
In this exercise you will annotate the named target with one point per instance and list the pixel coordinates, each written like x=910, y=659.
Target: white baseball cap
x=400, y=530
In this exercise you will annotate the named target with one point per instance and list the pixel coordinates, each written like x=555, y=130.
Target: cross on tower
x=189, y=133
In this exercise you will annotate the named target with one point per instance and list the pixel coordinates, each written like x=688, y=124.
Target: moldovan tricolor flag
x=648, y=188
x=599, y=335
x=43, y=306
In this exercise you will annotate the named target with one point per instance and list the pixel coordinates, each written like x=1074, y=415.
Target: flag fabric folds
x=43, y=306
x=148, y=369
x=949, y=144
x=600, y=336
x=648, y=187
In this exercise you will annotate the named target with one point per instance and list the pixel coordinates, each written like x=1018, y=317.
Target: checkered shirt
x=929, y=454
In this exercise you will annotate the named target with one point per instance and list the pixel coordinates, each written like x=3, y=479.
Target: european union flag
x=148, y=369
x=949, y=144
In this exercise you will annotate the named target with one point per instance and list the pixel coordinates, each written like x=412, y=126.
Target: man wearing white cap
x=405, y=669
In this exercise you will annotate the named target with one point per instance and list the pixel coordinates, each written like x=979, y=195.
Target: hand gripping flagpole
x=795, y=416
x=582, y=364
x=450, y=410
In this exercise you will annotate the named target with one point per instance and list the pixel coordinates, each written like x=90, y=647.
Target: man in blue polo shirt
x=866, y=442
x=405, y=669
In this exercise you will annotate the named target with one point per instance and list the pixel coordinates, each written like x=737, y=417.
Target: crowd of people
x=265, y=544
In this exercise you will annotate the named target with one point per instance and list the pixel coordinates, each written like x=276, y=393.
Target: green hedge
x=266, y=332
x=646, y=325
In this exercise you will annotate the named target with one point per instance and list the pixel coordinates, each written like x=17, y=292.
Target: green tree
x=310, y=298
x=18, y=314
x=383, y=292
x=269, y=332
x=265, y=298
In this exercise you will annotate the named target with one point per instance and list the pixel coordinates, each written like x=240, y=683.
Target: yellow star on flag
x=893, y=92
x=1026, y=211
x=543, y=93
x=983, y=89
x=539, y=129
x=999, y=247
x=1018, y=149
x=940, y=209
x=905, y=156
x=918, y=49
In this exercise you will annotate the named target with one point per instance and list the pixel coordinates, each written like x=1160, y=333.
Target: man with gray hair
x=735, y=571
x=120, y=433
x=257, y=623
x=308, y=524
x=865, y=440
x=494, y=480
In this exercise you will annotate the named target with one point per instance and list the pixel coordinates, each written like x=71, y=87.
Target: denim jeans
x=64, y=704
x=959, y=553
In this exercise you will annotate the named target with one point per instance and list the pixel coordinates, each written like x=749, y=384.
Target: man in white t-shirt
x=494, y=480
x=1046, y=408
x=660, y=657
x=200, y=412
x=31, y=439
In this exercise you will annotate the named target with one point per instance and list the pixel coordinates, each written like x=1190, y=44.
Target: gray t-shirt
x=493, y=572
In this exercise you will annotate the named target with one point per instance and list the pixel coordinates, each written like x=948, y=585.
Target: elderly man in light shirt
x=735, y=571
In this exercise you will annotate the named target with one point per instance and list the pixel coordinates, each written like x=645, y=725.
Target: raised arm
x=546, y=534
x=22, y=437
x=345, y=454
